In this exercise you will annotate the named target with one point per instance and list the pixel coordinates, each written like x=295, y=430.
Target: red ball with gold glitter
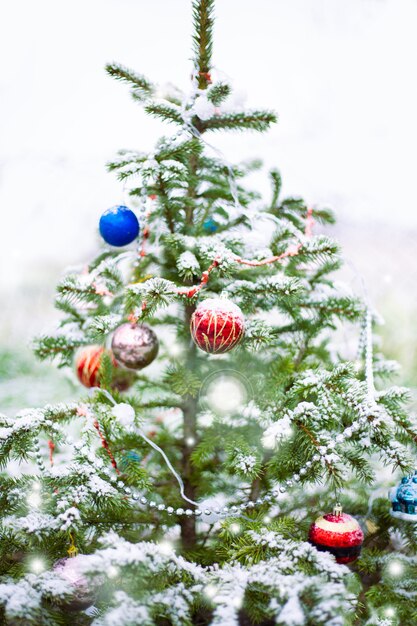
x=217, y=325
x=88, y=364
x=339, y=534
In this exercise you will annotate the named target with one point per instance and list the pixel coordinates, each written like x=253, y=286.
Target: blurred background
x=338, y=72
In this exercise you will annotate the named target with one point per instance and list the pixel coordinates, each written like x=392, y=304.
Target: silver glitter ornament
x=135, y=345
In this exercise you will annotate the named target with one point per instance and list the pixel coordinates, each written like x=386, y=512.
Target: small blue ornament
x=129, y=458
x=119, y=226
x=404, y=499
x=210, y=225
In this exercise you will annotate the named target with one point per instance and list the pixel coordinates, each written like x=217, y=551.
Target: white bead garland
x=236, y=509
x=363, y=411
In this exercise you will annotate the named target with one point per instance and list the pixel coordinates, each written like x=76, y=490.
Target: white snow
x=277, y=431
x=203, y=108
x=125, y=414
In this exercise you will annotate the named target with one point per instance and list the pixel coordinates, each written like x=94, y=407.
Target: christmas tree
x=201, y=477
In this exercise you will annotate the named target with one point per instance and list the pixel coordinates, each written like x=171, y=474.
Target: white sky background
x=340, y=73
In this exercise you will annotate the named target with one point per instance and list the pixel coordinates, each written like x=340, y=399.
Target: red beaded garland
x=217, y=325
x=339, y=534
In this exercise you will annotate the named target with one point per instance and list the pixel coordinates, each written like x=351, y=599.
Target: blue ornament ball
x=129, y=458
x=119, y=226
x=210, y=225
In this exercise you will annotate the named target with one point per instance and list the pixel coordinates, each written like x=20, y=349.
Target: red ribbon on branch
x=106, y=446
x=292, y=251
x=205, y=75
x=190, y=292
x=51, y=447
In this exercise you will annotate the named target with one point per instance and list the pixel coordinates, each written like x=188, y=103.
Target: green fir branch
x=165, y=112
x=276, y=181
x=182, y=381
x=143, y=88
x=203, y=20
x=60, y=346
x=250, y=120
x=218, y=93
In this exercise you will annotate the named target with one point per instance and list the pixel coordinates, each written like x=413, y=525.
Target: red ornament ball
x=339, y=534
x=88, y=364
x=217, y=325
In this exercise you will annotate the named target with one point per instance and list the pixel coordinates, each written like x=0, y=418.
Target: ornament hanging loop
x=72, y=550
x=337, y=510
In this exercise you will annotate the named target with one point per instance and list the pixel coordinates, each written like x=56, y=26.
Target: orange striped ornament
x=88, y=365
